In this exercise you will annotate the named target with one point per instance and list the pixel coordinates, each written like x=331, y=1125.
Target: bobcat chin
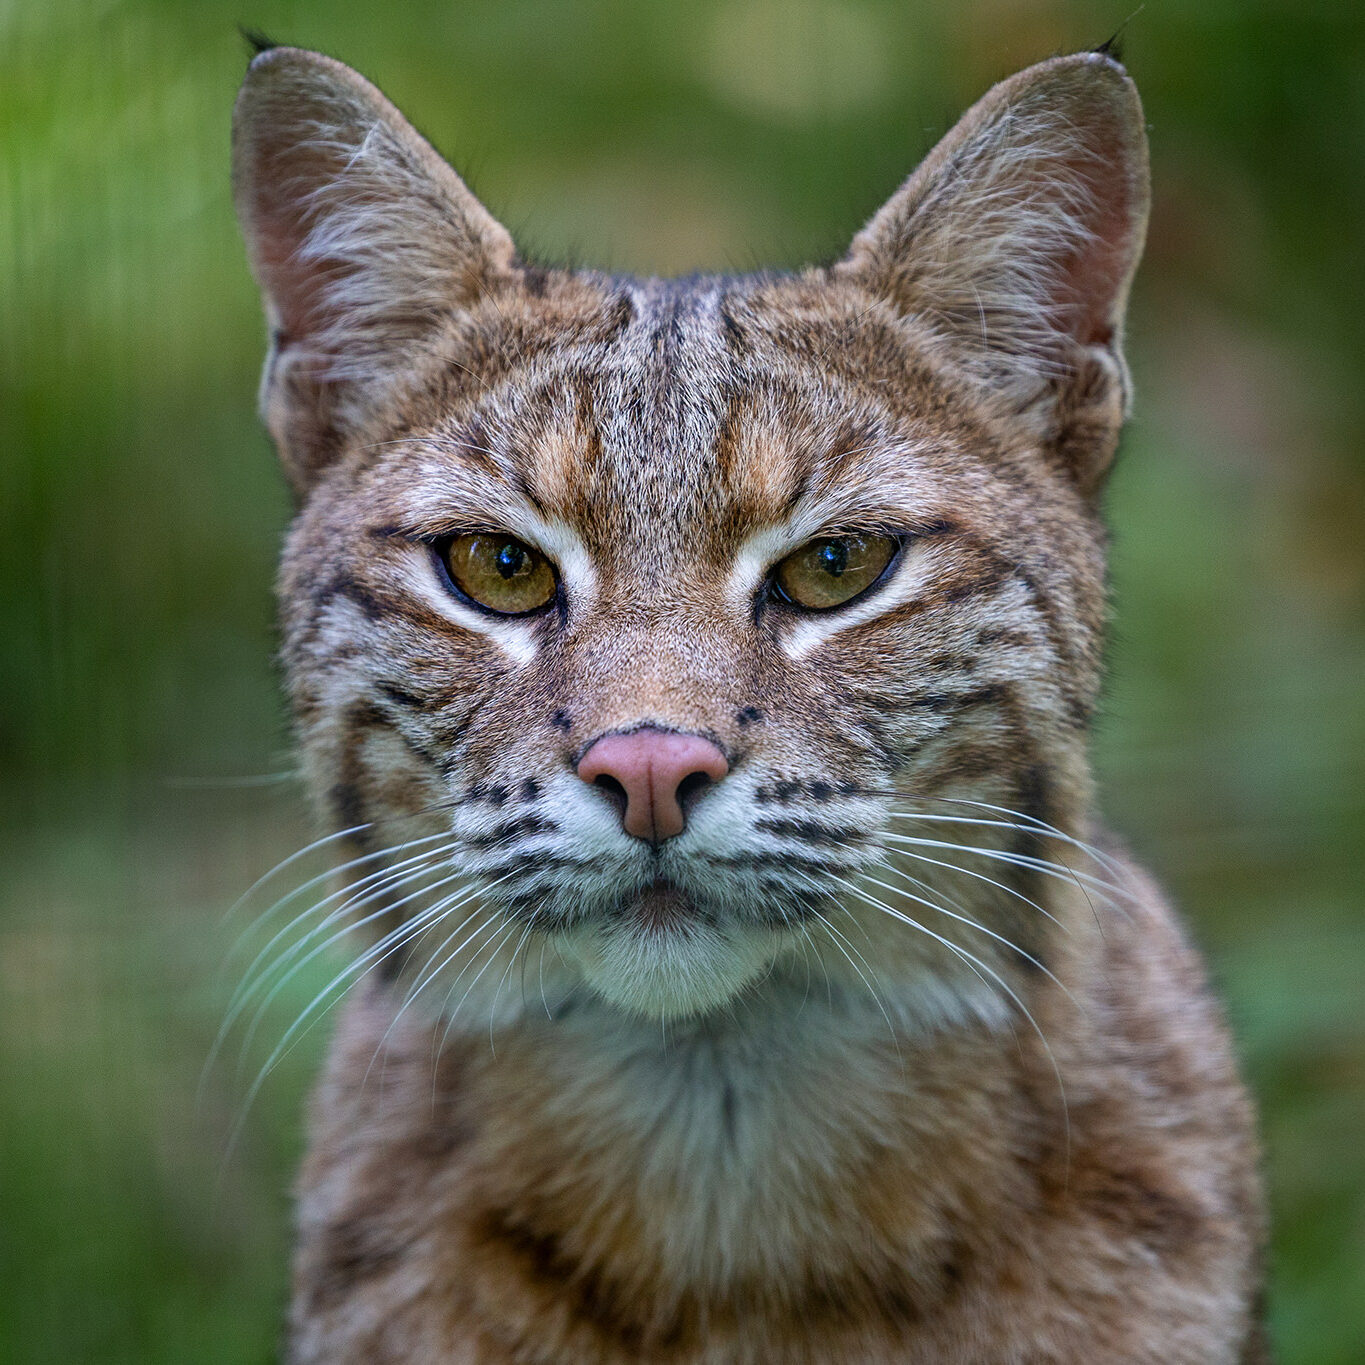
x=701, y=671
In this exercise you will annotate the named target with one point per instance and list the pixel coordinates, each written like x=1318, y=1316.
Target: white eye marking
x=514, y=636
x=559, y=543
x=762, y=550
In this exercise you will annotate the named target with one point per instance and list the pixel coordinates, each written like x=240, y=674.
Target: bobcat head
x=692, y=637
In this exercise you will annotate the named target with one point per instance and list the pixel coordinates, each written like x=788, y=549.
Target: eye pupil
x=510, y=560
x=834, y=557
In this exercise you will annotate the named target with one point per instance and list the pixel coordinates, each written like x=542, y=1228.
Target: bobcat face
x=543, y=622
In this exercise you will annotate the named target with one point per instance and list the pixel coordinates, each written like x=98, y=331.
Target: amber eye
x=500, y=573
x=833, y=570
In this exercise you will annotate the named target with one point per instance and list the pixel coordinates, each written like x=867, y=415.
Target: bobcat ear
x=1014, y=245
x=363, y=240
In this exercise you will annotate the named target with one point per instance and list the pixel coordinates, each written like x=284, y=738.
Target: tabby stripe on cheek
x=379, y=606
x=510, y=832
x=531, y=862
x=812, y=832
x=782, y=860
x=1078, y=710
x=373, y=717
x=400, y=696
x=990, y=694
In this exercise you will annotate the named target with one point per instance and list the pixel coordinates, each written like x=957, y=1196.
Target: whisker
x=302, y=1023
x=433, y=968
x=430, y=808
x=473, y=914
x=370, y=878
x=977, y=965
x=840, y=940
x=507, y=971
x=806, y=949
x=971, y=923
x=540, y=973
x=1037, y=823
x=371, y=958
x=980, y=876
x=1050, y=869
x=348, y=898
x=249, y=985
x=496, y=942
x=289, y=862
x=438, y=1044
x=348, y=928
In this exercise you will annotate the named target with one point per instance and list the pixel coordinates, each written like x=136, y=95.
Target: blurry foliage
x=140, y=514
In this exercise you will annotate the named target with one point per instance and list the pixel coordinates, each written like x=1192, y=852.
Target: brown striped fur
x=863, y=1098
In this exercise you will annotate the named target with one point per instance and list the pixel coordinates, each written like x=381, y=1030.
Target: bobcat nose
x=652, y=773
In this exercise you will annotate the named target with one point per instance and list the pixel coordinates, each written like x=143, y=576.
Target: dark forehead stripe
x=686, y=337
x=661, y=402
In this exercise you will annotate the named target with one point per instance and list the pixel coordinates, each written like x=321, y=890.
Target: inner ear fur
x=1013, y=246
x=363, y=240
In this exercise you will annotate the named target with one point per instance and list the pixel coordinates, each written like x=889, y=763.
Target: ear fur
x=363, y=240
x=1014, y=245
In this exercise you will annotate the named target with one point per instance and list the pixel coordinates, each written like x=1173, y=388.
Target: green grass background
x=140, y=512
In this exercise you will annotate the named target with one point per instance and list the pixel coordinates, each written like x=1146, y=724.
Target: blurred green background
x=144, y=767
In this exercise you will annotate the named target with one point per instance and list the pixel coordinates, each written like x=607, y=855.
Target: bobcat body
x=722, y=653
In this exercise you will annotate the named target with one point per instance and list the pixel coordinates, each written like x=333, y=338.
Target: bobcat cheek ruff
x=699, y=674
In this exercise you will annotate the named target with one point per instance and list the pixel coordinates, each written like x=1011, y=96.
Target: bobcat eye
x=833, y=570
x=499, y=573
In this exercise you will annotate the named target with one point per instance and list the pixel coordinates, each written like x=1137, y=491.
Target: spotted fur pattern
x=919, y=1073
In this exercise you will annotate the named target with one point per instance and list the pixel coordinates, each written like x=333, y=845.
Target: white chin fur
x=672, y=973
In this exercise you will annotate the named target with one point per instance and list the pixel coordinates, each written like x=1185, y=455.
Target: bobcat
x=700, y=673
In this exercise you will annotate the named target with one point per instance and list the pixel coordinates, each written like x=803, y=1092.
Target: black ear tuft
x=256, y=40
x=1112, y=47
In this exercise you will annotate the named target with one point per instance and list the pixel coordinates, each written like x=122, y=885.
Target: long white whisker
x=440, y=947
x=386, y=909
x=349, y=889
x=496, y=943
x=540, y=975
x=979, y=966
x=376, y=953
x=433, y=968
x=1036, y=828
x=321, y=877
x=248, y=986
x=842, y=943
x=980, y=876
x=1036, y=823
x=390, y=943
x=507, y=971
x=1058, y=870
x=967, y=920
x=288, y=862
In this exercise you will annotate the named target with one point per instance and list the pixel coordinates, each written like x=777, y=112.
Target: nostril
x=613, y=788
x=691, y=787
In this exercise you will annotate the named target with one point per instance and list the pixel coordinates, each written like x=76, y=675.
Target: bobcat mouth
x=662, y=907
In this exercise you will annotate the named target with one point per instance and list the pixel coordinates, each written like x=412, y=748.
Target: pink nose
x=655, y=771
